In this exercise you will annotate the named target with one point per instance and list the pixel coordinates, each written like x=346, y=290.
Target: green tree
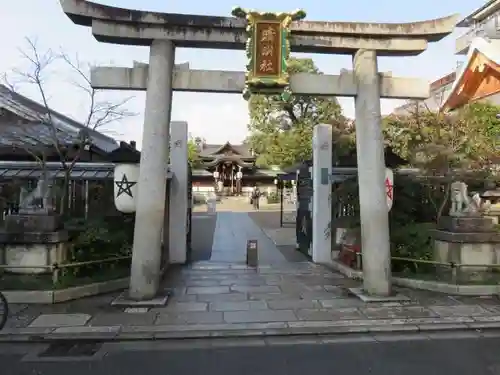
x=193, y=146
x=281, y=132
x=445, y=147
x=485, y=114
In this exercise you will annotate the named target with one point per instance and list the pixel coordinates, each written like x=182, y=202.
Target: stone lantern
x=494, y=197
x=239, y=176
x=216, y=176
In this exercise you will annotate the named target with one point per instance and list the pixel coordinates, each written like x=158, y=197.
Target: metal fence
x=89, y=190
x=288, y=206
x=430, y=270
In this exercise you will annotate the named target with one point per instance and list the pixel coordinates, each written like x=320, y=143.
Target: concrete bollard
x=252, y=253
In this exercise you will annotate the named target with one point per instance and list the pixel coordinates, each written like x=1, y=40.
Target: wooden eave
x=478, y=78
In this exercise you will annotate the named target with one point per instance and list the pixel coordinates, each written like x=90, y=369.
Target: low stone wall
x=65, y=294
x=434, y=286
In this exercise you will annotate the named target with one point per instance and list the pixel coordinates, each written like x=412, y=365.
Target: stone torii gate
x=162, y=32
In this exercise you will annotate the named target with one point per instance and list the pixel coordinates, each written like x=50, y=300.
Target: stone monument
x=33, y=239
x=467, y=237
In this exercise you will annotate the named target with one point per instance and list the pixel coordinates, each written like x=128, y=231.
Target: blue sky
x=217, y=117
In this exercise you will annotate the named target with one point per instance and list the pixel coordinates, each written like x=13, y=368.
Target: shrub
x=273, y=197
x=99, y=239
x=415, y=242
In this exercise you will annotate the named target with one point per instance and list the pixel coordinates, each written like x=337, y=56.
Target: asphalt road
x=389, y=356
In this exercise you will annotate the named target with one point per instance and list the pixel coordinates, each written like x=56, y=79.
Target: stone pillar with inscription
x=321, y=212
x=178, y=197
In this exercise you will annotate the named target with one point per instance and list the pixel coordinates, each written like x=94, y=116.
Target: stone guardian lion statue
x=460, y=201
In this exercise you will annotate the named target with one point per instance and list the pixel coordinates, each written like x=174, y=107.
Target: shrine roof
x=31, y=170
x=22, y=124
x=212, y=150
x=80, y=171
x=478, y=78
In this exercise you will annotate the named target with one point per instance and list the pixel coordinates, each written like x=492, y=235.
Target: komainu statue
x=480, y=205
x=459, y=199
x=462, y=205
x=39, y=200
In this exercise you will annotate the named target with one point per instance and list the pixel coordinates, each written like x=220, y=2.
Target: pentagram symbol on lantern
x=124, y=186
x=389, y=187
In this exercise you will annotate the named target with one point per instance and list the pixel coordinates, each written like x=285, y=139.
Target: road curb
x=109, y=334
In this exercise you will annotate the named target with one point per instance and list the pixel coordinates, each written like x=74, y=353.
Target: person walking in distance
x=256, y=198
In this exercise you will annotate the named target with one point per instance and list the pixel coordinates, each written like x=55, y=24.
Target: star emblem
x=124, y=187
x=389, y=188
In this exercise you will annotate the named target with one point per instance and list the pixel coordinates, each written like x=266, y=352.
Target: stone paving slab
x=270, y=329
x=60, y=320
x=282, y=236
x=220, y=299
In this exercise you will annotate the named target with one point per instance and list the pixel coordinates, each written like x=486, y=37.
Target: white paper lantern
x=125, y=187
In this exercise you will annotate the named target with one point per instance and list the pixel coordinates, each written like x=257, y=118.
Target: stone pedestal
x=494, y=213
x=464, y=224
x=31, y=242
x=469, y=241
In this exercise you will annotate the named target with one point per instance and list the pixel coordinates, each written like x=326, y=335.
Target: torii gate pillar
x=375, y=240
x=150, y=209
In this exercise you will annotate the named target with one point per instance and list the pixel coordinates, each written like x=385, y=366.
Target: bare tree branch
x=99, y=113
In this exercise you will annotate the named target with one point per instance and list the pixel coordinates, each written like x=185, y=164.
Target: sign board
x=389, y=187
x=325, y=176
x=267, y=59
x=268, y=51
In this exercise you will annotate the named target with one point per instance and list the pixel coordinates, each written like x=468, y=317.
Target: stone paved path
x=232, y=231
x=223, y=297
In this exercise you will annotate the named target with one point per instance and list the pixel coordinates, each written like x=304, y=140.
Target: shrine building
x=230, y=170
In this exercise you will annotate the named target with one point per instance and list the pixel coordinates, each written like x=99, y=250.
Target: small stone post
x=252, y=253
